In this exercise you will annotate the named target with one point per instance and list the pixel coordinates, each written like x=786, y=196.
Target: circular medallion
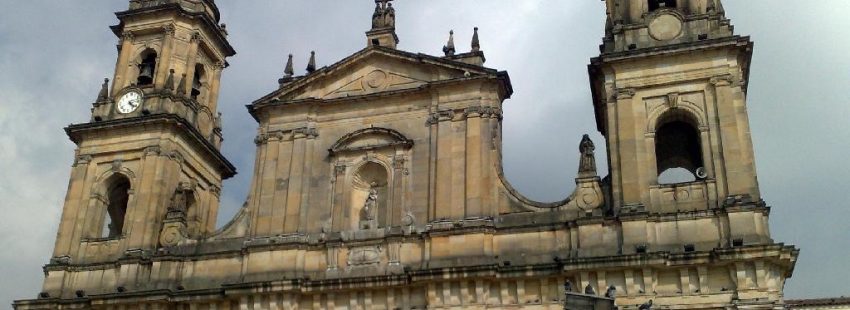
x=376, y=79
x=665, y=27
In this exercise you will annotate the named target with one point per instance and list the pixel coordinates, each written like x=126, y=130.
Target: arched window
x=197, y=81
x=147, y=68
x=657, y=4
x=678, y=149
x=118, y=194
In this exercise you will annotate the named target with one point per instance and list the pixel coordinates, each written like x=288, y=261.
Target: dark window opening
x=376, y=42
x=197, y=81
x=657, y=4
x=118, y=196
x=147, y=69
x=678, y=151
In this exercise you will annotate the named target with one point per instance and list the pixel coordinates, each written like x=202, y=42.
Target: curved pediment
x=370, y=139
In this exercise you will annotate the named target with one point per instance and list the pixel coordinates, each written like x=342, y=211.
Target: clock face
x=129, y=102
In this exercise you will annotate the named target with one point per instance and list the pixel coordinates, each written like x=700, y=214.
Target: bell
x=145, y=74
x=196, y=88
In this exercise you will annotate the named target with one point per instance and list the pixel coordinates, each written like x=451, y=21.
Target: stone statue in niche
x=587, y=163
x=368, y=214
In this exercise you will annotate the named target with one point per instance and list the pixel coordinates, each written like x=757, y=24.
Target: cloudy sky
x=54, y=55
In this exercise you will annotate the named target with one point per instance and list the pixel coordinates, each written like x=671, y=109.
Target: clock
x=129, y=102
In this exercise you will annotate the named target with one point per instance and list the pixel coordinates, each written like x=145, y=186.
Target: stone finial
x=476, y=45
x=103, y=95
x=378, y=16
x=389, y=14
x=383, y=25
x=169, y=82
x=384, y=15
x=311, y=65
x=710, y=7
x=449, y=48
x=181, y=87
x=289, y=71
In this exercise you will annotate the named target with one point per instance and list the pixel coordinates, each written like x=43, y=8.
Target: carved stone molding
x=469, y=112
x=152, y=151
x=305, y=132
x=215, y=190
x=196, y=37
x=117, y=164
x=673, y=100
x=287, y=135
x=168, y=29
x=128, y=36
x=339, y=171
x=389, y=138
x=363, y=256
x=84, y=159
x=262, y=138
x=441, y=116
x=177, y=157
x=723, y=80
x=625, y=93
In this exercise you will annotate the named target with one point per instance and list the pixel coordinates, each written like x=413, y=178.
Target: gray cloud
x=53, y=55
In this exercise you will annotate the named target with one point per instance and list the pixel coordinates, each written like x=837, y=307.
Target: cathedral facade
x=378, y=180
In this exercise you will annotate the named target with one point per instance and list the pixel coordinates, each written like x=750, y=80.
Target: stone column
x=119, y=81
x=164, y=64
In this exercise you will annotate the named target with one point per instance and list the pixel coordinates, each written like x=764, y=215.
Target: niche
x=369, y=193
x=117, y=197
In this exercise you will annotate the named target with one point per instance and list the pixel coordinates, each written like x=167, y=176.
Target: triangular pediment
x=374, y=70
x=377, y=80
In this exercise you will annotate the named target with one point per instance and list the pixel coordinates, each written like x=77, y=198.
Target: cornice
x=77, y=131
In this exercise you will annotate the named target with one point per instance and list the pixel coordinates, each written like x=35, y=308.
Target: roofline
x=255, y=107
x=300, y=81
x=228, y=50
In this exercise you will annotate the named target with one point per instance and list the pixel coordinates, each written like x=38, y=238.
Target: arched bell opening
x=198, y=81
x=369, y=193
x=657, y=4
x=117, y=198
x=147, y=67
x=678, y=149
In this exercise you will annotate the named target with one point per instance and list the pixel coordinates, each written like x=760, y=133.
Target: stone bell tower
x=148, y=170
x=670, y=90
x=670, y=97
